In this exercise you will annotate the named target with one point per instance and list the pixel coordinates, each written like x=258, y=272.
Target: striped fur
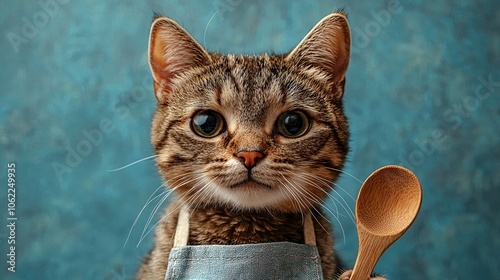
x=250, y=92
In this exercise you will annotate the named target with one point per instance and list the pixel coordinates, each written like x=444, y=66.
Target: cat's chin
x=250, y=185
x=251, y=195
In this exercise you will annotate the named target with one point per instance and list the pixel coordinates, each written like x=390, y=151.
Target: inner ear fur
x=171, y=52
x=327, y=46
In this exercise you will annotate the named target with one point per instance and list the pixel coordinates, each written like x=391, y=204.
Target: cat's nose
x=250, y=157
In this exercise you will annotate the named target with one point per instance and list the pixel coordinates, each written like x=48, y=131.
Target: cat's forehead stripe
x=249, y=88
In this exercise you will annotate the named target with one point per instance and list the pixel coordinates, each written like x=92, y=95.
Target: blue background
x=76, y=92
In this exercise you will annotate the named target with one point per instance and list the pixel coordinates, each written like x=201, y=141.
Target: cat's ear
x=327, y=46
x=171, y=52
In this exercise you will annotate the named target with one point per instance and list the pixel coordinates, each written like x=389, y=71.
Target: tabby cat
x=248, y=143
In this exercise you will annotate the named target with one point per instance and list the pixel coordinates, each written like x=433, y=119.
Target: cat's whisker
x=338, y=221
x=150, y=199
x=210, y=193
x=130, y=164
x=181, y=180
x=270, y=212
x=320, y=224
x=325, y=183
x=344, y=172
x=290, y=190
x=350, y=212
x=206, y=28
x=301, y=193
x=343, y=203
x=343, y=189
x=317, y=200
x=192, y=179
x=145, y=232
x=155, y=209
x=165, y=217
x=201, y=193
x=313, y=198
x=302, y=177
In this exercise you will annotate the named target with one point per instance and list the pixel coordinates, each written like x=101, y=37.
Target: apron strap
x=182, y=229
x=309, y=235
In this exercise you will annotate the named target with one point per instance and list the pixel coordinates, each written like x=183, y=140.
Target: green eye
x=207, y=123
x=292, y=124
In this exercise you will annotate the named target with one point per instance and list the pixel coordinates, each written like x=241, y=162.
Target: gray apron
x=275, y=260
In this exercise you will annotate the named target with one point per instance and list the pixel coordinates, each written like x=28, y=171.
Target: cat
x=248, y=143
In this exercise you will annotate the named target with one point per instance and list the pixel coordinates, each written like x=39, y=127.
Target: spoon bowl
x=387, y=205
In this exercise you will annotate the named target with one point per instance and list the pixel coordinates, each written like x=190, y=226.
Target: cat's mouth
x=250, y=184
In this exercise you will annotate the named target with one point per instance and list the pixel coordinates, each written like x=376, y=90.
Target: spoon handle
x=370, y=250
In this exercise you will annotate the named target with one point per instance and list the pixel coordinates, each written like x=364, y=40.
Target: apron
x=274, y=260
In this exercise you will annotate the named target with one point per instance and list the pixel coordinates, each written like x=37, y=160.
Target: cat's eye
x=292, y=124
x=207, y=123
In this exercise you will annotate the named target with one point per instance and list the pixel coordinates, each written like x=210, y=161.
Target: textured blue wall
x=76, y=101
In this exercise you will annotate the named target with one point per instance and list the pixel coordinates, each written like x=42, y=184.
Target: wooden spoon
x=387, y=205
